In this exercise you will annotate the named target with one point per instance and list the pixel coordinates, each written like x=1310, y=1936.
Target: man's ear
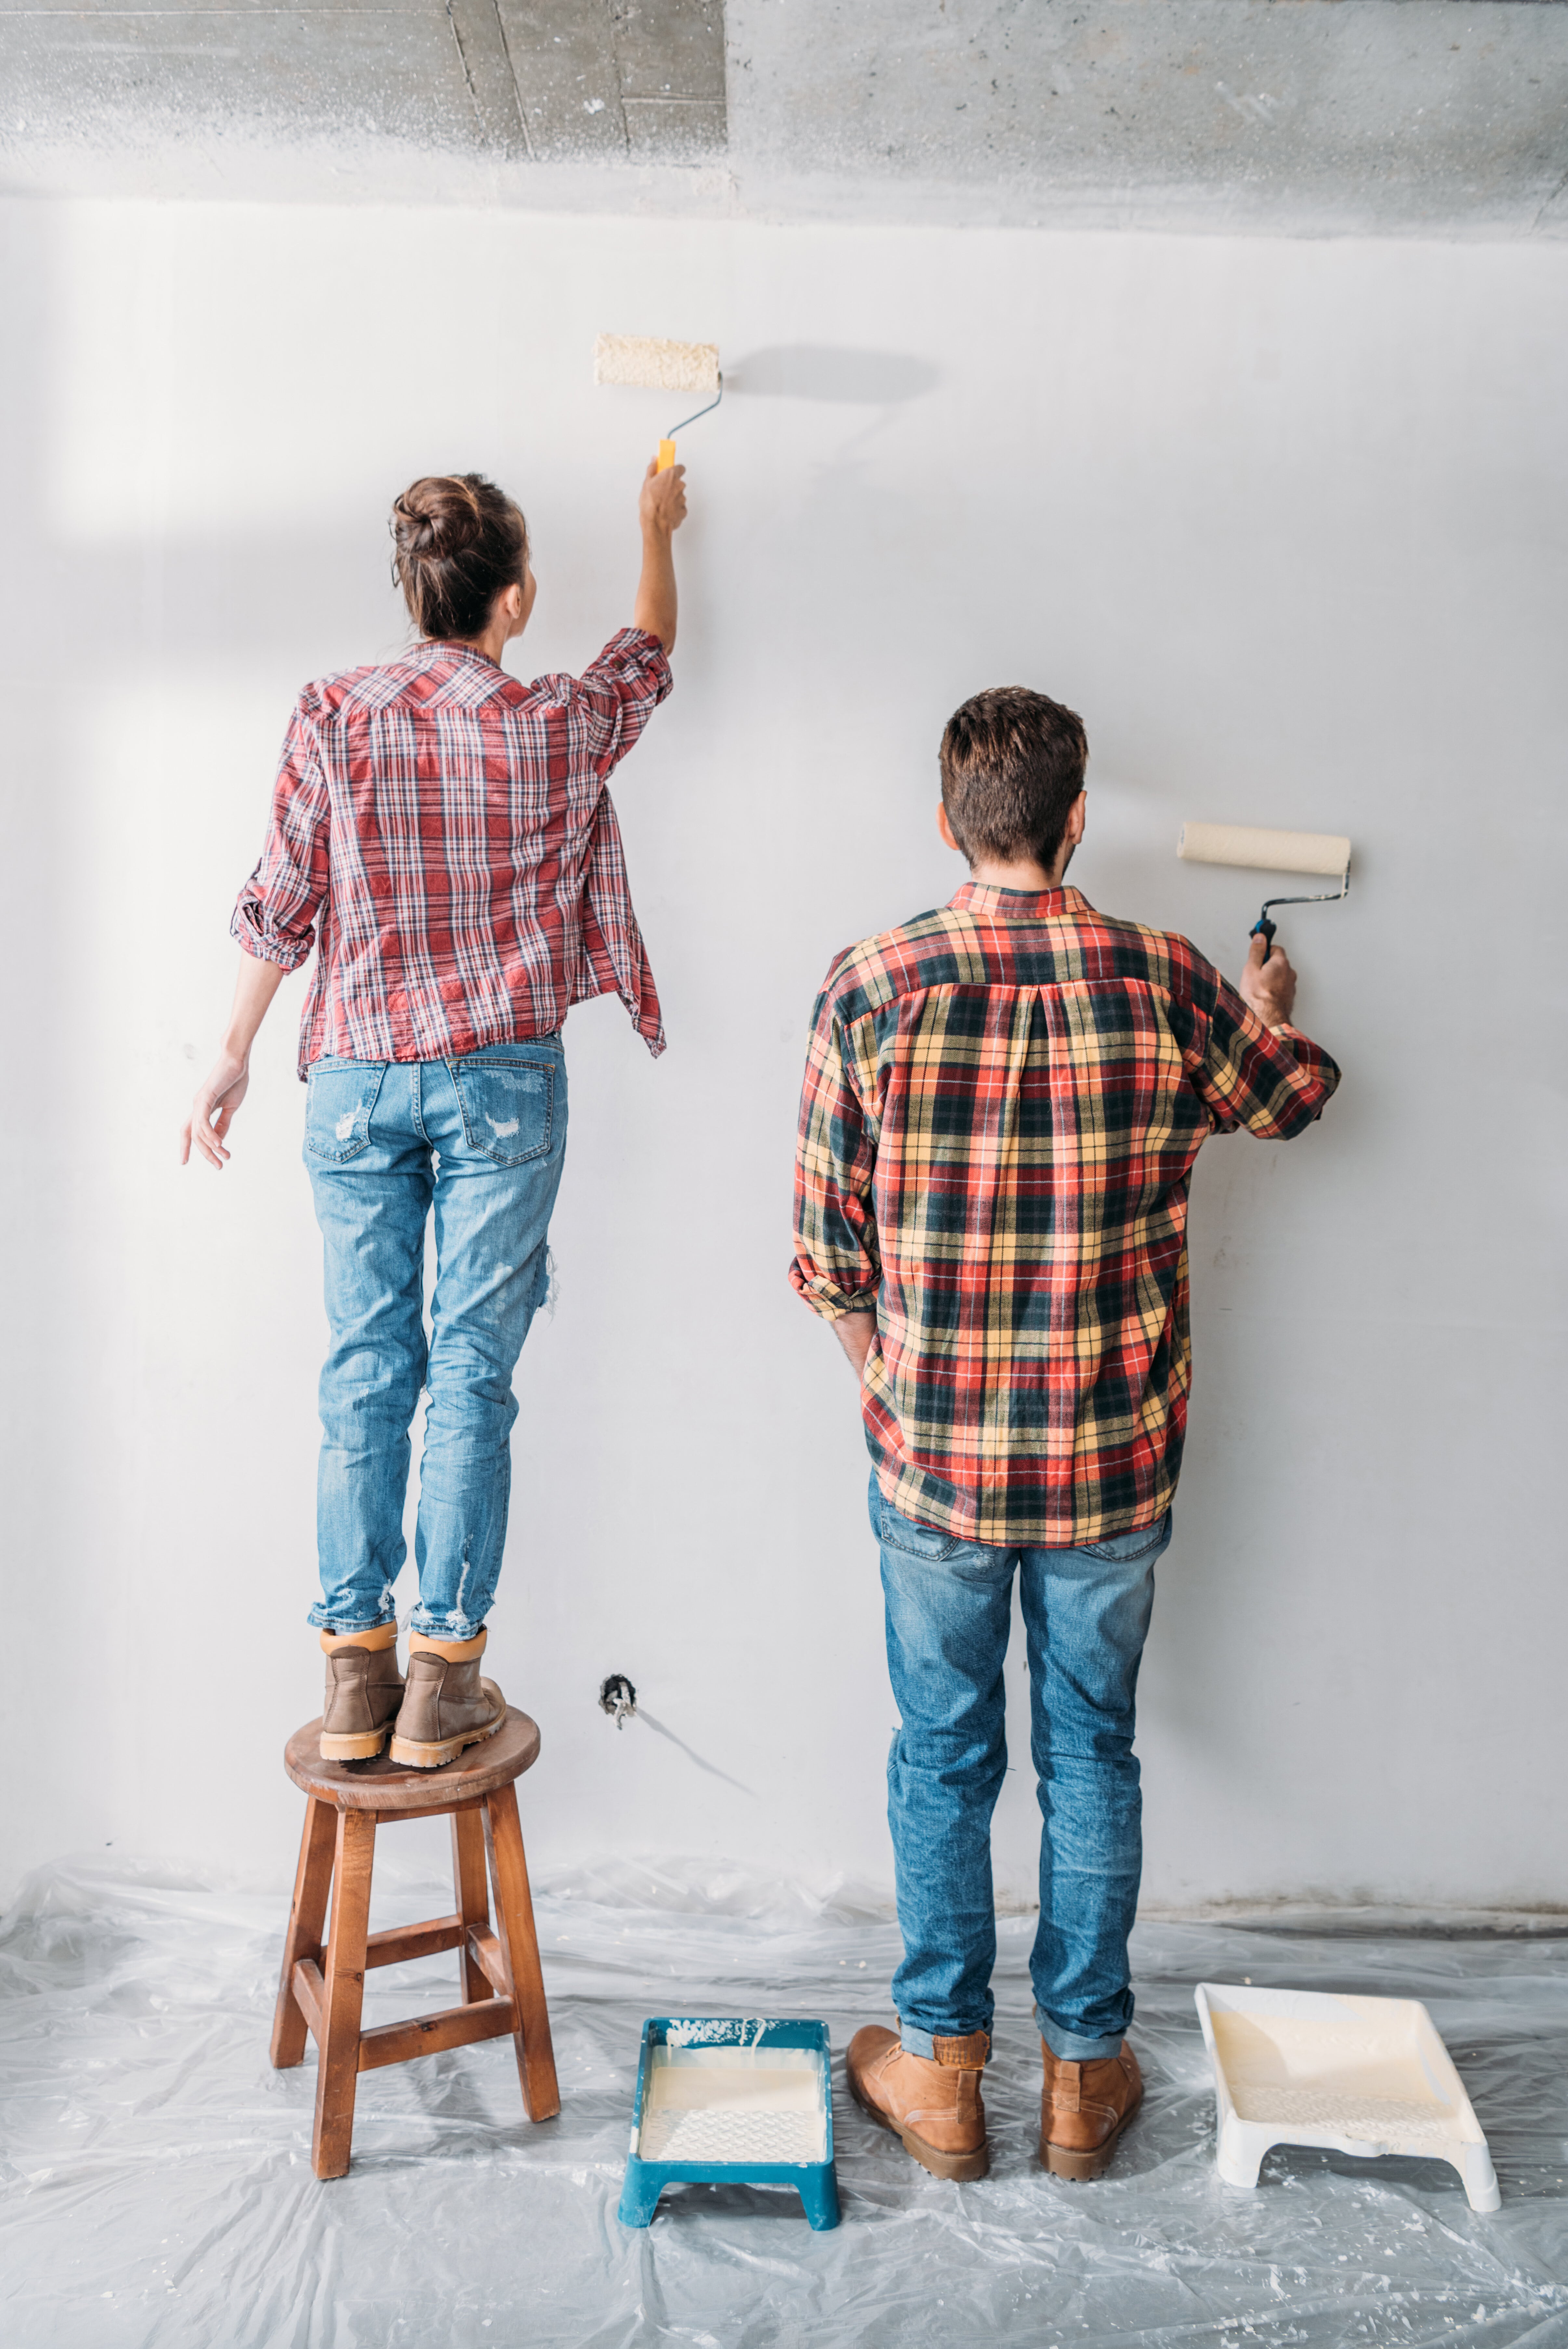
x=945, y=828
x=1077, y=816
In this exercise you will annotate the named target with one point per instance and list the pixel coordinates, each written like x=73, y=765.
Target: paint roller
x=654, y=366
x=1271, y=851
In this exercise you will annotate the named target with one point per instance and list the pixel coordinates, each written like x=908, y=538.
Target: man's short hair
x=1013, y=764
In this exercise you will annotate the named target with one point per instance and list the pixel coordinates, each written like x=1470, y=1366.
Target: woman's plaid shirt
x=1002, y=1103
x=451, y=829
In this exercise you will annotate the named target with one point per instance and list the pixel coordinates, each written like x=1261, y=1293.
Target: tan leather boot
x=446, y=1705
x=934, y=2107
x=1083, y=2108
x=364, y=1689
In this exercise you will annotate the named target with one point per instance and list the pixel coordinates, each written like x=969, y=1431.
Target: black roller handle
x=1265, y=929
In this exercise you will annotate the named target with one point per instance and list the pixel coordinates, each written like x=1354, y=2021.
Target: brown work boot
x=364, y=1689
x=935, y=2107
x=1083, y=2108
x=446, y=1705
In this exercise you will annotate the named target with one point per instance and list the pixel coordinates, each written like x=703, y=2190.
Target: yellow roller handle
x=666, y=456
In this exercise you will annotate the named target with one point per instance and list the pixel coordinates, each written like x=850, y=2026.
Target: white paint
x=721, y=2104
x=502, y=1128
x=700, y=2032
x=345, y=1125
x=1285, y=521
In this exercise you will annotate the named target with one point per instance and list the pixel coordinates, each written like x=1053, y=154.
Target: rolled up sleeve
x=273, y=919
x=1273, y=1081
x=618, y=693
x=837, y=1267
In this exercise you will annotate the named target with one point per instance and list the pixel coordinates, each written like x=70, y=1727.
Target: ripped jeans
x=481, y=1141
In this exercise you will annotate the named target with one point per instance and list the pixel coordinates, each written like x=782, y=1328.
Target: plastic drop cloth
x=156, y=2183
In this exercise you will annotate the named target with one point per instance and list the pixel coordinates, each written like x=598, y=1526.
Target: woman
x=445, y=836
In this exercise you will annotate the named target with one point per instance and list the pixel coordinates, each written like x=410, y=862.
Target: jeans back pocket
x=339, y=1098
x=508, y=1106
x=931, y=1543
x=1120, y=1549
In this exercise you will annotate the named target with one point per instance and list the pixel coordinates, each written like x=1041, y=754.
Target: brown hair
x=460, y=543
x=1013, y=764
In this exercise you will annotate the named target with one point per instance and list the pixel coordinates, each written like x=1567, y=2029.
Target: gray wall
x=1285, y=521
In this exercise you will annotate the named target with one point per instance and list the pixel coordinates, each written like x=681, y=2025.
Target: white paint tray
x=1361, y=2075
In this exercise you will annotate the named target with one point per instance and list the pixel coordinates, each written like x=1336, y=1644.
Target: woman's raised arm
x=661, y=510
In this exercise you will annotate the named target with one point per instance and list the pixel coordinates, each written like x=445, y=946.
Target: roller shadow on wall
x=826, y=371
x=845, y=521
x=838, y=377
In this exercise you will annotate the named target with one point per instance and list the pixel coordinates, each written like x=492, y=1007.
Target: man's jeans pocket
x=1121, y=1549
x=508, y=1106
x=929, y=1544
x=339, y=1098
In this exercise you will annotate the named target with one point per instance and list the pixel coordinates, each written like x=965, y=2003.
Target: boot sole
x=960, y=2166
x=362, y=1745
x=418, y=1754
x=1077, y=2169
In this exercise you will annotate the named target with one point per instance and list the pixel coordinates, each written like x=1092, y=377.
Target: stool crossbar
x=322, y=1985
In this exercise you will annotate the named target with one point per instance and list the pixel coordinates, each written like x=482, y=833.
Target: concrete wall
x=1328, y=116
x=1285, y=521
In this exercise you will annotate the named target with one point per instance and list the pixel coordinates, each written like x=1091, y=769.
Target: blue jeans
x=480, y=1141
x=1085, y=1614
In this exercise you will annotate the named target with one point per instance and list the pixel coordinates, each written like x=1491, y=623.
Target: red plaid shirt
x=1003, y=1099
x=452, y=830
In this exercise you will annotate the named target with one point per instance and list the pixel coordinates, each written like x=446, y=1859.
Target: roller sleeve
x=1265, y=851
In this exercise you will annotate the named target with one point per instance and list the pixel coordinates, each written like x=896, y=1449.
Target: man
x=1002, y=1102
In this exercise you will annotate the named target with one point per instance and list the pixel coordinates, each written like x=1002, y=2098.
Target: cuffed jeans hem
x=1072, y=2046
x=450, y=1626
x=923, y=2042
x=323, y=1617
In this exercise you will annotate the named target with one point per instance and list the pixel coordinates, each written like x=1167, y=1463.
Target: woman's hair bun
x=438, y=515
x=459, y=541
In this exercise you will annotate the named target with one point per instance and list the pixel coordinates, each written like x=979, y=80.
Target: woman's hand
x=226, y=1082
x=662, y=505
x=213, y=1112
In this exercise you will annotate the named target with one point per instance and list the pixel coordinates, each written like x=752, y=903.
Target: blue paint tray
x=726, y=2101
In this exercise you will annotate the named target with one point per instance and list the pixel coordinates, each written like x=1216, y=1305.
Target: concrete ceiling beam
x=1285, y=116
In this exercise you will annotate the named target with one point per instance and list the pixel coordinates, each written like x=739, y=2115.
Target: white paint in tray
x=1364, y=2075
x=731, y=2104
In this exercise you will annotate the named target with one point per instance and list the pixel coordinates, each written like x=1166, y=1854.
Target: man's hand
x=855, y=1332
x=1269, y=989
x=662, y=505
x=213, y=1111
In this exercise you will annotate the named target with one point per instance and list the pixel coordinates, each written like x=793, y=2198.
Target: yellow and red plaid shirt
x=1002, y=1102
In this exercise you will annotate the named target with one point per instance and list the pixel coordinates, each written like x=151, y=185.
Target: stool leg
x=338, y=2075
x=472, y=1896
x=305, y=1918
x=520, y=1945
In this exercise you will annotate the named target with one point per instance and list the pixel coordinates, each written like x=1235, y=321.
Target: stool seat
x=322, y=1983
x=391, y=1786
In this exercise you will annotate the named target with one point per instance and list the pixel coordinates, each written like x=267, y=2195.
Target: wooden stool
x=502, y=1988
